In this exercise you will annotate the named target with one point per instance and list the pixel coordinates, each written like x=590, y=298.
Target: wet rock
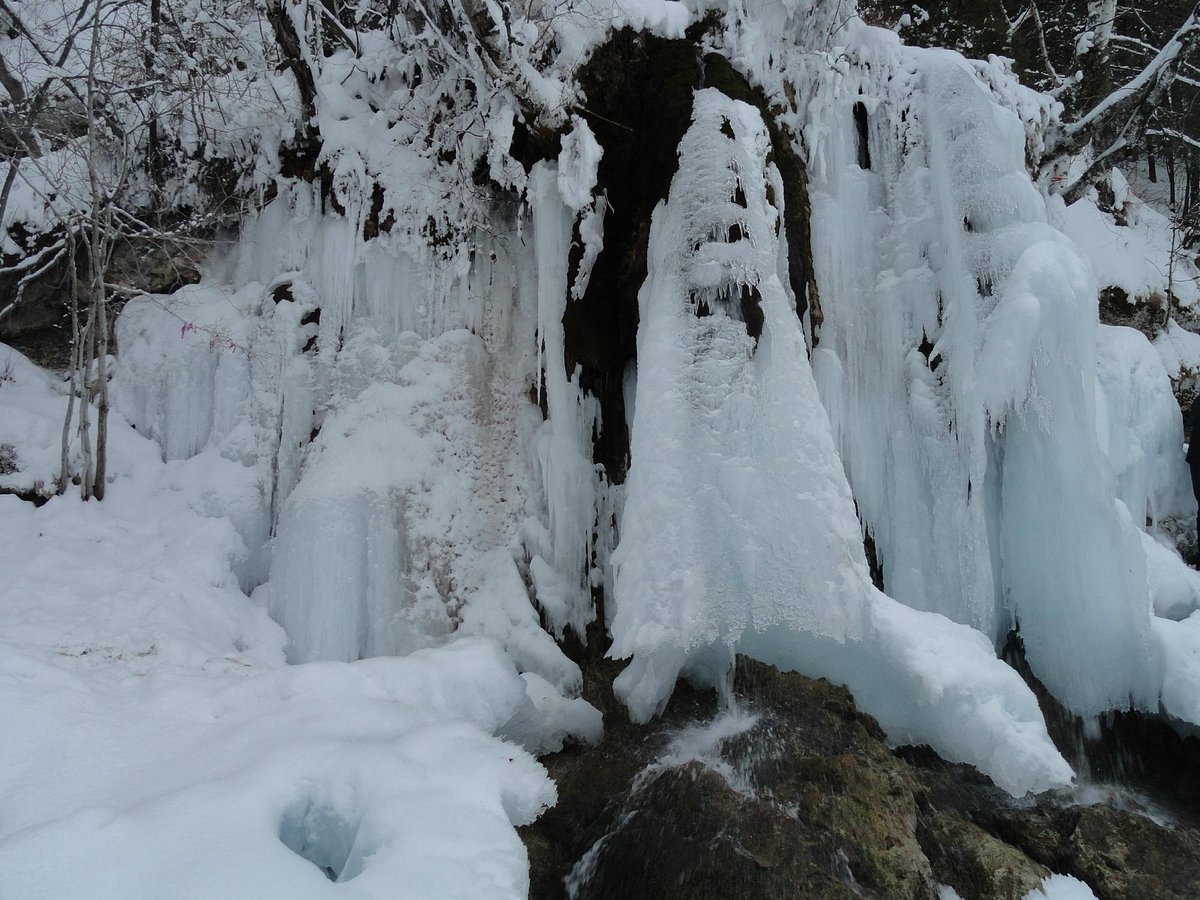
x=1121, y=854
x=974, y=862
x=691, y=835
x=809, y=801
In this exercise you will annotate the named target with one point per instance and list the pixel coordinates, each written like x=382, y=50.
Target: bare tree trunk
x=1189, y=196
x=95, y=265
x=1171, y=177
x=154, y=156
x=85, y=406
x=1040, y=32
x=294, y=58
x=64, y=477
x=101, y=302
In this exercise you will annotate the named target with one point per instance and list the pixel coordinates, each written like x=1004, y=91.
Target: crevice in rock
x=862, y=135
x=639, y=104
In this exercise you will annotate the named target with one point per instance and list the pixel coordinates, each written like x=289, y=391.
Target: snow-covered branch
x=1115, y=126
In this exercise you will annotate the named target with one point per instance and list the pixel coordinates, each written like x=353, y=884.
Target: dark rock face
x=639, y=129
x=1120, y=854
x=823, y=810
x=1146, y=314
x=39, y=325
x=1131, y=748
x=639, y=104
x=693, y=836
x=809, y=802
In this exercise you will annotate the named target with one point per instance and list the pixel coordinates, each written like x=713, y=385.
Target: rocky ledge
x=792, y=792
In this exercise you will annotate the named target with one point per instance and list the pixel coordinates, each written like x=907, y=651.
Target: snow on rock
x=501, y=610
x=1179, y=350
x=376, y=519
x=1181, y=651
x=738, y=532
x=577, y=165
x=1174, y=585
x=1135, y=256
x=33, y=417
x=1061, y=887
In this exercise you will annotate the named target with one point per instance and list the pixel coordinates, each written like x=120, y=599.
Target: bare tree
x=110, y=137
x=1115, y=127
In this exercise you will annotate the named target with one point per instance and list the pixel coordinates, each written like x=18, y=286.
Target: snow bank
x=1179, y=350
x=33, y=420
x=1061, y=887
x=739, y=532
x=164, y=744
x=1056, y=887
x=388, y=783
x=1134, y=256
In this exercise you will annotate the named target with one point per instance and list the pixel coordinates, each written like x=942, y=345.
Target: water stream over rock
x=790, y=791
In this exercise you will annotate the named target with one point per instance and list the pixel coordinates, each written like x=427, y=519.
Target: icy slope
x=739, y=532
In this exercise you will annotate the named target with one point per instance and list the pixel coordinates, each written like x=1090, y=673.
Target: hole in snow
x=325, y=837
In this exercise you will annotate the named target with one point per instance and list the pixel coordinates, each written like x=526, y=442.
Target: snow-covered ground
x=157, y=737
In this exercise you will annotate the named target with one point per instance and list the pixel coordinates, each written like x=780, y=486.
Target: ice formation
x=956, y=360
x=378, y=439
x=739, y=532
x=210, y=765
x=376, y=389
x=1055, y=887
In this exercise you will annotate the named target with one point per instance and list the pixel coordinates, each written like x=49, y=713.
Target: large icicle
x=562, y=567
x=739, y=531
x=958, y=361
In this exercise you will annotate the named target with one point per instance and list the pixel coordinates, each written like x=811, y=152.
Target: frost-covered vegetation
x=358, y=539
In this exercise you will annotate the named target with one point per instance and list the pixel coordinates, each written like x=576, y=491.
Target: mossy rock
x=975, y=863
